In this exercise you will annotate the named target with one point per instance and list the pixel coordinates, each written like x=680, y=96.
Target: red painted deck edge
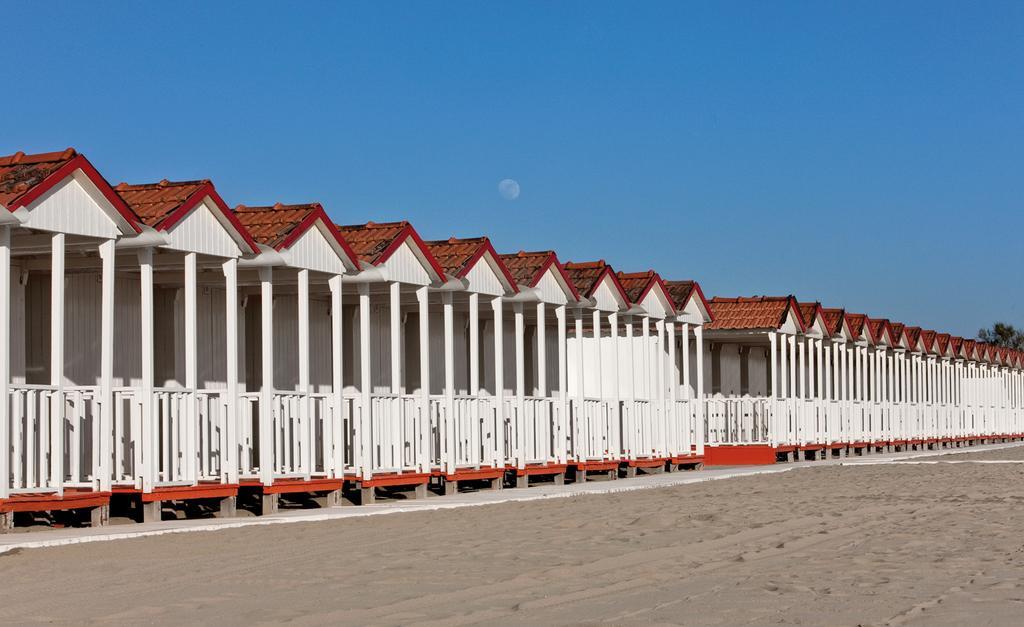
x=739, y=455
x=470, y=474
x=597, y=466
x=377, y=481
x=540, y=471
x=687, y=459
x=45, y=502
x=647, y=463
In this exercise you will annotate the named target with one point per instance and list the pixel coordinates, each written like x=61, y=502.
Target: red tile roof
x=585, y=276
x=833, y=320
x=24, y=178
x=808, y=311
x=20, y=172
x=374, y=242
x=280, y=225
x=527, y=268
x=637, y=284
x=942, y=342
x=928, y=339
x=680, y=292
x=155, y=202
x=758, y=312
x=968, y=348
x=877, y=328
x=956, y=344
x=856, y=322
x=161, y=205
x=896, y=328
x=913, y=335
x=458, y=256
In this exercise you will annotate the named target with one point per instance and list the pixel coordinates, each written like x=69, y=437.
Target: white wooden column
x=191, y=448
x=672, y=414
x=148, y=452
x=334, y=436
x=614, y=431
x=103, y=445
x=520, y=426
x=629, y=437
x=581, y=393
x=267, y=432
x=449, y=381
x=474, y=344
x=5, y=361
x=229, y=449
x=799, y=389
x=308, y=429
x=56, y=425
x=773, y=388
x=542, y=356
x=395, y=317
x=684, y=333
x=698, y=332
x=423, y=301
x=365, y=457
x=784, y=368
x=599, y=364
x=499, y=382
x=563, y=392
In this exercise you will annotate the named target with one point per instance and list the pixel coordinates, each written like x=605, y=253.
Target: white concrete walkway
x=59, y=537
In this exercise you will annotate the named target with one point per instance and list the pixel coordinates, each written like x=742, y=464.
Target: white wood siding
x=313, y=251
x=550, y=288
x=73, y=206
x=202, y=232
x=483, y=278
x=404, y=266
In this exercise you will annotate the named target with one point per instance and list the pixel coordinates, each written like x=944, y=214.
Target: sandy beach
x=936, y=544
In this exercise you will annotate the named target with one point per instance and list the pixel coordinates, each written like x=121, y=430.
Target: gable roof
x=636, y=285
x=856, y=322
x=375, y=242
x=458, y=256
x=527, y=268
x=913, y=335
x=928, y=339
x=279, y=225
x=878, y=328
x=942, y=342
x=161, y=205
x=833, y=318
x=896, y=330
x=758, y=312
x=586, y=276
x=956, y=345
x=682, y=291
x=24, y=178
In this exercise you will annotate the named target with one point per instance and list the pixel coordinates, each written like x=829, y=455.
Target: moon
x=509, y=189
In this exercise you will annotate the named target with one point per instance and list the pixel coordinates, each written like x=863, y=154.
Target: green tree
x=1002, y=334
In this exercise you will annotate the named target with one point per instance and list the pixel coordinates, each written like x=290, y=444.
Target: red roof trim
x=553, y=261
x=704, y=301
x=207, y=189
x=319, y=214
x=79, y=162
x=618, y=286
x=407, y=232
x=656, y=280
x=482, y=250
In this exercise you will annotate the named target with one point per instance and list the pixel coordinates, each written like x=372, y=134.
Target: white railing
x=641, y=429
x=53, y=435
x=475, y=426
x=593, y=428
x=744, y=420
x=392, y=443
x=682, y=422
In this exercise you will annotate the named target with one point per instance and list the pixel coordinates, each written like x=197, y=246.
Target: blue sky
x=865, y=154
